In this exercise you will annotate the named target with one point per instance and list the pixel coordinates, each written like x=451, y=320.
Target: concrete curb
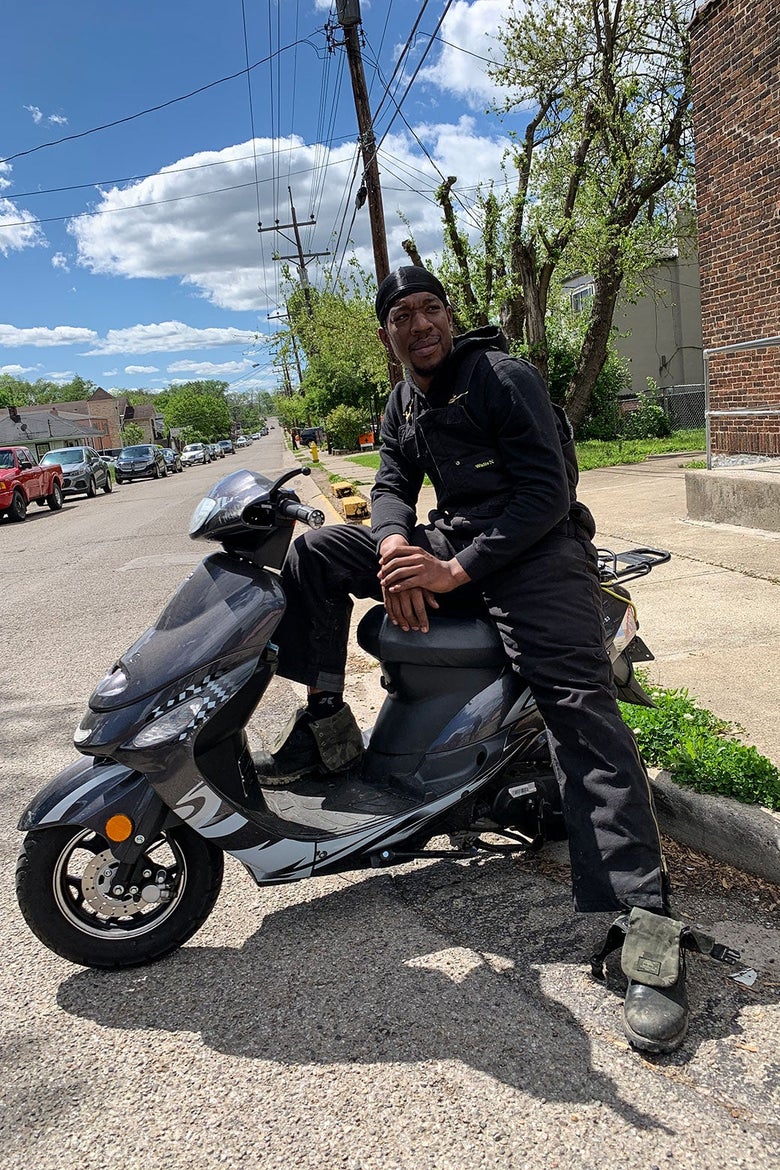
x=745, y=836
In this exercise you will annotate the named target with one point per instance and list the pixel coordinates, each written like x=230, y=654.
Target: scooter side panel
x=85, y=793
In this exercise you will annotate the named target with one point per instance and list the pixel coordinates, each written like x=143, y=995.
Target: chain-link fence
x=684, y=405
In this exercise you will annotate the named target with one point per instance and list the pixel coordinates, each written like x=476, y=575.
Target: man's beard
x=430, y=371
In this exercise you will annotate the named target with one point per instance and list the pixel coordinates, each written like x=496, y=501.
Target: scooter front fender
x=87, y=793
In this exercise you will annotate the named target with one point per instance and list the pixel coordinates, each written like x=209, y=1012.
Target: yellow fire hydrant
x=315, y=455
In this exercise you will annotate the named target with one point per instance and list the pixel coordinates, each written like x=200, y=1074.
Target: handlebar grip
x=307, y=515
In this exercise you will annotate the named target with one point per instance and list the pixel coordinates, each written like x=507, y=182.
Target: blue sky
x=130, y=254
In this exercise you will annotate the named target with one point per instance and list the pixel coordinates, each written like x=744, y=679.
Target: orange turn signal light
x=119, y=828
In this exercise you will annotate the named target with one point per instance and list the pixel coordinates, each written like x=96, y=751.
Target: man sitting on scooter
x=509, y=527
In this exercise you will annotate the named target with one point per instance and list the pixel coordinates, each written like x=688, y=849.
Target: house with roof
x=107, y=415
x=44, y=430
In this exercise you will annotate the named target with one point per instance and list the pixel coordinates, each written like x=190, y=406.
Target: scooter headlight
x=113, y=684
x=201, y=514
x=169, y=726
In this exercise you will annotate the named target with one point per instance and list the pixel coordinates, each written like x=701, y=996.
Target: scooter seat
x=457, y=642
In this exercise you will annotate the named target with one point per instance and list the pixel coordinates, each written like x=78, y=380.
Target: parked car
x=83, y=470
x=242, y=441
x=216, y=451
x=172, y=460
x=22, y=480
x=195, y=453
x=227, y=446
x=140, y=460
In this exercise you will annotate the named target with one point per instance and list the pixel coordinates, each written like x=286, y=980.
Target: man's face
x=419, y=330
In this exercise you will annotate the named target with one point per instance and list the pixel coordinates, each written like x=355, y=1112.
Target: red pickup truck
x=22, y=480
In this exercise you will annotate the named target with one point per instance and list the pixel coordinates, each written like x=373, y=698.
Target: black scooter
x=123, y=855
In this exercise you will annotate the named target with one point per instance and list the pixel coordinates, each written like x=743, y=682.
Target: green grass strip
x=700, y=750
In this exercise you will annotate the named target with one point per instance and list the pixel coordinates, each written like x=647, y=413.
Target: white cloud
x=460, y=70
x=109, y=373
x=38, y=116
x=166, y=337
x=60, y=260
x=142, y=369
x=197, y=222
x=60, y=376
x=209, y=369
x=17, y=371
x=41, y=336
x=18, y=229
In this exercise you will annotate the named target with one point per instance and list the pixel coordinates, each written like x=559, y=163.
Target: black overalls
x=526, y=542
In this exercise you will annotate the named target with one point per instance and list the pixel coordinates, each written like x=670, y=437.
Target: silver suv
x=83, y=470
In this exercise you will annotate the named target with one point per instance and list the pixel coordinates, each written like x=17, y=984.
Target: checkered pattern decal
x=217, y=688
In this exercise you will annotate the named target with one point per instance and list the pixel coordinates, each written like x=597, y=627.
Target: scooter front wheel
x=65, y=890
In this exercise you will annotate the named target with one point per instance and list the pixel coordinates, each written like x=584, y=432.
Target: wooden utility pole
x=300, y=256
x=286, y=317
x=350, y=19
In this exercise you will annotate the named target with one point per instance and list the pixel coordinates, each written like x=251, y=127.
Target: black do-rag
x=403, y=281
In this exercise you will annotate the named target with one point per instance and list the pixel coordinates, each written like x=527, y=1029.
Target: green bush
x=699, y=750
x=345, y=425
x=648, y=421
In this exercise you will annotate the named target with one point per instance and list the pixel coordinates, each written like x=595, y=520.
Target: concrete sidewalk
x=711, y=617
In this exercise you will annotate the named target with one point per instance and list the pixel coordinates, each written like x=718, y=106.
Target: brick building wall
x=735, y=56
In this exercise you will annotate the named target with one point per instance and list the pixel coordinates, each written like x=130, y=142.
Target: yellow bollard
x=315, y=455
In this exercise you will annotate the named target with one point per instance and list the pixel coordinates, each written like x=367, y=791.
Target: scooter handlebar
x=307, y=515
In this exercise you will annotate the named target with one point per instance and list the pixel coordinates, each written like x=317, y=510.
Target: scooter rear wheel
x=64, y=889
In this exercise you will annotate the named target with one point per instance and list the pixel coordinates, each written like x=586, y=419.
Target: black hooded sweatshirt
x=498, y=452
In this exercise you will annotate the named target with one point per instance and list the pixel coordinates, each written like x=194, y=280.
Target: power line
x=418, y=140
x=222, y=162
x=399, y=63
x=413, y=78
x=162, y=105
x=150, y=202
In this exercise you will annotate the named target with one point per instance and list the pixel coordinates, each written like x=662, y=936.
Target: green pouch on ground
x=651, y=951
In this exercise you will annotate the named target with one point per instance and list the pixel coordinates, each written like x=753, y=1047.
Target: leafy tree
x=143, y=397
x=132, y=434
x=598, y=176
x=564, y=337
x=202, y=411
x=335, y=330
x=14, y=391
x=292, y=410
x=18, y=392
x=345, y=425
x=246, y=411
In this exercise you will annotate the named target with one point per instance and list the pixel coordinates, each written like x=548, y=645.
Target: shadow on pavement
x=442, y=962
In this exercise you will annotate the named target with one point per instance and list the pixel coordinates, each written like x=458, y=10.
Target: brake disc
x=96, y=883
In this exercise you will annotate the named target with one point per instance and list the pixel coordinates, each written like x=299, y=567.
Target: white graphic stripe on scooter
x=72, y=798
x=205, y=820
